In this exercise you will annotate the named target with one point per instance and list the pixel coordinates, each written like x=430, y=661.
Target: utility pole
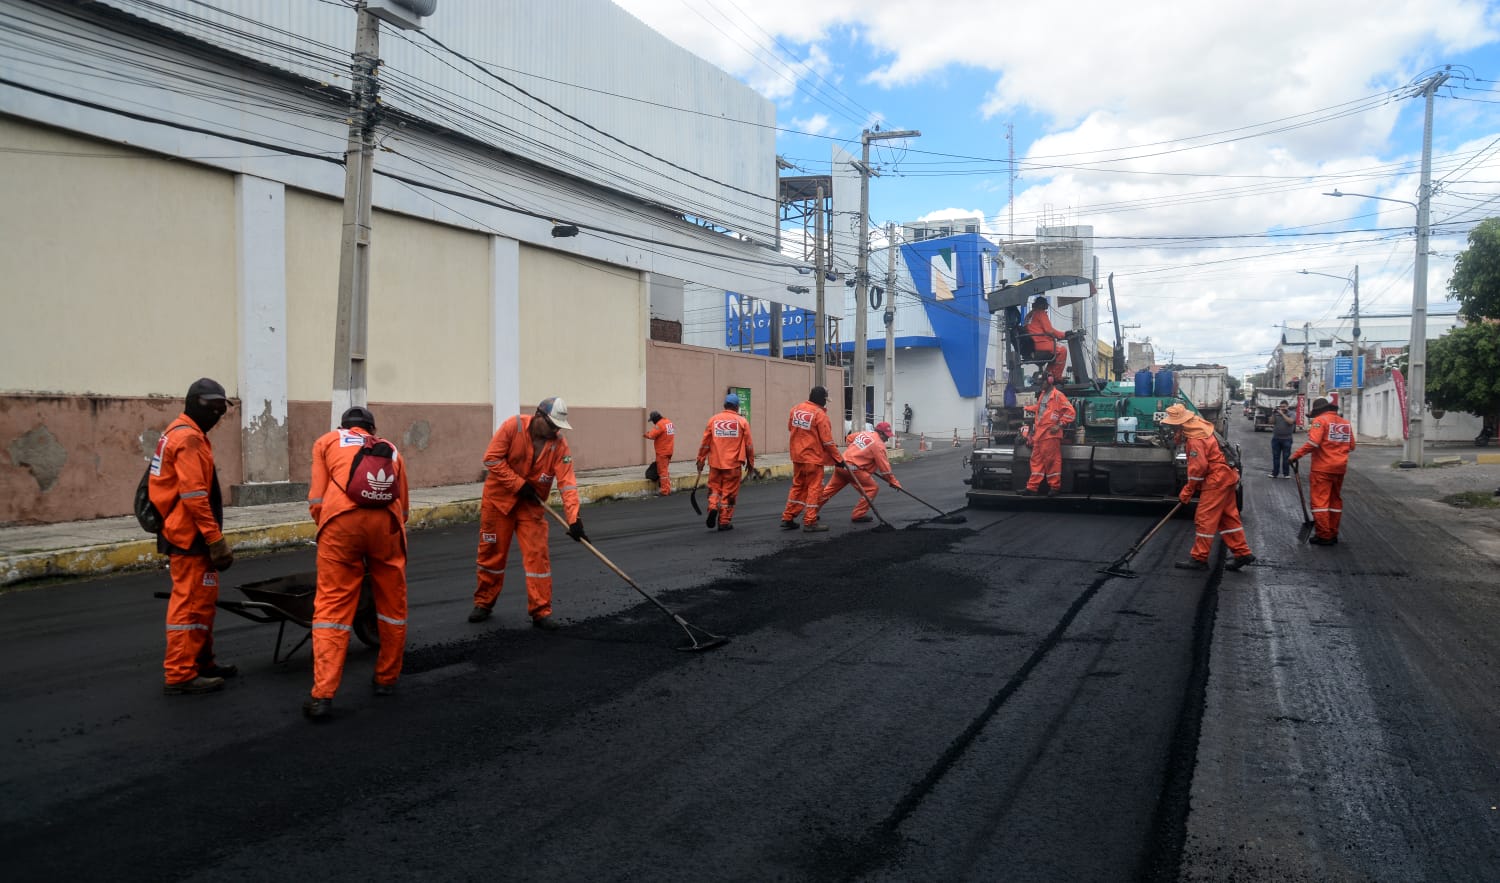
x=1416, y=383
x=890, y=326
x=820, y=358
x=1358, y=361
x=862, y=274
x=1010, y=137
x=352, y=319
x=1305, y=387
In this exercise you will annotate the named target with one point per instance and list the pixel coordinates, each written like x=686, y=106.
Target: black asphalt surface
x=939, y=702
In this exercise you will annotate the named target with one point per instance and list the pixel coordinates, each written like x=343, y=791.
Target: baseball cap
x=357, y=416
x=883, y=428
x=556, y=412
x=207, y=390
x=733, y=400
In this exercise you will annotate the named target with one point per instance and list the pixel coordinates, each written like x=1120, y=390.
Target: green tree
x=1476, y=273
x=1463, y=370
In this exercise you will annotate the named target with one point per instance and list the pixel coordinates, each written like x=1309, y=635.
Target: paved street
x=970, y=702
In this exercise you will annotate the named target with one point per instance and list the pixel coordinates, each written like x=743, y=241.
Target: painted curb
x=1487, y=458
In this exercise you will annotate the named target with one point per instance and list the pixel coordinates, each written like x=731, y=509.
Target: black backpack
x=150, y=520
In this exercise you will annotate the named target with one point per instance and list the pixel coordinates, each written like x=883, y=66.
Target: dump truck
x=1114, y=451
x=1208, y=389
x=1264, y=403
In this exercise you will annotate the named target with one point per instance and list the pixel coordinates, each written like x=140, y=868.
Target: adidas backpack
x=372, y=477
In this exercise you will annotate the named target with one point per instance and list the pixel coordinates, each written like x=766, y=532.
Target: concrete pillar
x=260, y=282
x=505, y=333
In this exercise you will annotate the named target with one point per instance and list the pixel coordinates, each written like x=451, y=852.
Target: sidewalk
x=111, y=545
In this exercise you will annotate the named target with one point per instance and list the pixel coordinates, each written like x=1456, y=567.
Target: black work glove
x=220, y=555
x=575, y=530
x=527, y=492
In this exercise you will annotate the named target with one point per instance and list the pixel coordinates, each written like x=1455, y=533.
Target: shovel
x=1121, y=566
x=942, y=517
x=884, y=526
x=693, y=497
x=698, y=639
x=1305, y=532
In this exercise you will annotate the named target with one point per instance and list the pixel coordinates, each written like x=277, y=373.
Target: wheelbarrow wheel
x=366, y=626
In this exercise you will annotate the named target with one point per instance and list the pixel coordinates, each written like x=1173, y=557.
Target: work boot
x=479, y=614
x=713, y=519
x=1191, y=564
x=815, y=527
x=545, y=623
x=863, y=519
x=317, y=709
x=1053, y=491
x=199, y=684
x=1319, y=541
x=726, y=526
x=219, y=671
x=1240, y=561
x=380, y=689
x=788, y=525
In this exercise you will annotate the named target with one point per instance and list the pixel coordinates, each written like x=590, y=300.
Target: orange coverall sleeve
x=496, y=457
x=654, y=432
x=319, y=486
x=824, y=430
x=749, y=444
x=708, y=439
x=1317, y=433
x=194, y=468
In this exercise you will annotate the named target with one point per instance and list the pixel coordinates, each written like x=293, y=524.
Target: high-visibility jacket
x=1043, y=335
x=512, y=461
x=184, y=486
x=726, y=441
x=1205, y=460
x=1053, y=410
x=866, y=453
x=332, y=458
x=811, y=435
x=664, y=436
x=1330, y=438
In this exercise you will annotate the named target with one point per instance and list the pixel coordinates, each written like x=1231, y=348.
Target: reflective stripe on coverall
x=1330, y=438
x=1044, y=340
x=512, y=460
x=351, y=542
x=812, y=448
x=867, y=458
x=1214, y=480
x=727, y=449
x=664, y=436
x=182, y=484
x=1052, y=411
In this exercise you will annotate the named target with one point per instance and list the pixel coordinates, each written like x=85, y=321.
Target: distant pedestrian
x=1283, y=424
x=812, y=448
x=1053, y=412
x=525, y=457
x=358, y=498
x=729, y=451
x=1330, y=438
x=865, y=460
x=184, y=488
x=663, y=434
x=906, y=418
x=1214, y=481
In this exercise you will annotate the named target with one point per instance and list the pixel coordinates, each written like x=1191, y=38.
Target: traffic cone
x=922, y=442
x=955, y=438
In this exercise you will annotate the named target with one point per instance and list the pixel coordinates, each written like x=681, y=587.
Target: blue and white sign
x=753, y=327
x=1343, y=372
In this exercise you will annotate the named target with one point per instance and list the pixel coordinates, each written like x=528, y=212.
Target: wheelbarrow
x=287, y=599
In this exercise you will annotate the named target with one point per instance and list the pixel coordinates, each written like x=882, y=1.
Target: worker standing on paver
x=358, y=498
x=184, y=488
x=1330, y=438
x=812, y=448
x=663, y=435
x=727, y=449
x=1044, y=339
x=1213, y=480
x=865, y=460
x=525, y=457
x=1053, y=412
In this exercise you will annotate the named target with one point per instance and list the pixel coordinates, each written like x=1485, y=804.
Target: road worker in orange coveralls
x=663, y=435
x=812, y=448
x=1330, y=438
x=865, y=459
x=727, y=449
x=524, y=459
x=184, y=488
x=1053, y=411
x=1214, y=481
x=1044, y=338
x=356, y=536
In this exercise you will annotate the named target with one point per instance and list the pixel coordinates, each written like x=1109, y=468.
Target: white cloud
x=817, y=124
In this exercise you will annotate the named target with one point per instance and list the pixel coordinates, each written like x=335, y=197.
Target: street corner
x=443, y=514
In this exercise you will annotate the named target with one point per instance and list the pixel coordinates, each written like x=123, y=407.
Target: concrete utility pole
x=890, y=326
x=1416, y=383
x=352, y=319
x=1306, y=386
x=862, y=274
x=820, y=358
x=1358, y=360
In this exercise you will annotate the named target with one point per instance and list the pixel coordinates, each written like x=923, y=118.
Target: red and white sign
x=1400, y=381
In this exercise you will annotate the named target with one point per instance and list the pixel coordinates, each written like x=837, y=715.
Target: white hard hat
x=556, y=412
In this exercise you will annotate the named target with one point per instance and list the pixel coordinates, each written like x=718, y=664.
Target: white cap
x=556, y=411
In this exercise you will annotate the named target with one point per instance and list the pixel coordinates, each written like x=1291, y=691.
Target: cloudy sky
x=1196, y=138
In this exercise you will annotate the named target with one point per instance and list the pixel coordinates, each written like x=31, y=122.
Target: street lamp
x=1416, y=382
x=1358, y=357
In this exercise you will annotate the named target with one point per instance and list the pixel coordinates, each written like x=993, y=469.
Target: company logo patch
x=211, y=579
x=671, y=429
x=726, y=429
x=862, y=441
x=802, y=419
x=1340, y=432
x=487, y=538
x=351, y=440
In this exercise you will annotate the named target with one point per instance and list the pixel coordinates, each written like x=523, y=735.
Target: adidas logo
x=380, y=481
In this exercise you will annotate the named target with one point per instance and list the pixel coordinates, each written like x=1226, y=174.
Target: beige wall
x=583, y=331
x=429, y=306
x=93, y=300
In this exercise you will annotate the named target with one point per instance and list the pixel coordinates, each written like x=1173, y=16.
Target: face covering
x=205, y=414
